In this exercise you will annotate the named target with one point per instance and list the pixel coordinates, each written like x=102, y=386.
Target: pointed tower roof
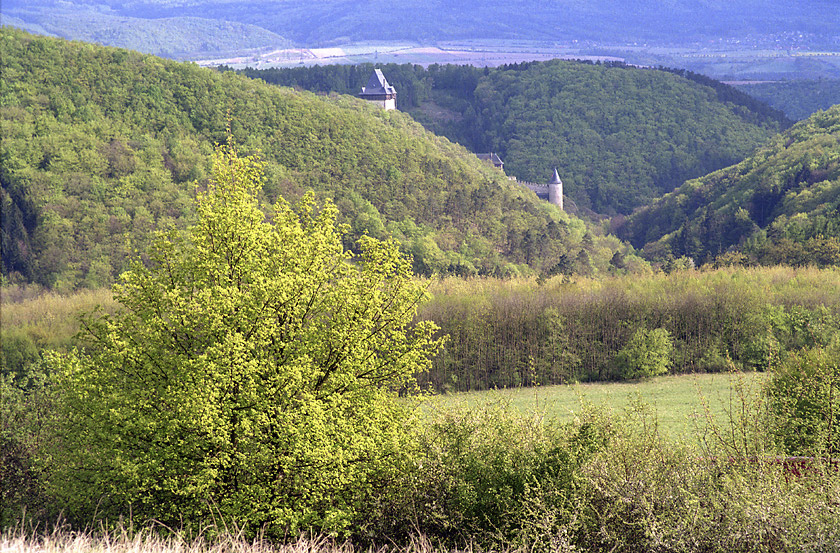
x=556, y=178
x=377, y=84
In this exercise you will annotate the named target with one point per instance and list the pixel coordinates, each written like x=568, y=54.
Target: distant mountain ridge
x=806, y=22
x=320, y=22
x=173, y=37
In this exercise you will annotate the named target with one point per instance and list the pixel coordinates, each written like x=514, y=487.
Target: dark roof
x=556, y=178
x=492, y=158
x=378, y=84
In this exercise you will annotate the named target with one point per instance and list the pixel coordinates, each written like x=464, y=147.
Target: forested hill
x=619, y=135
x=780, y=205
x=100, y=144
x=175, y=37
x=798, y=99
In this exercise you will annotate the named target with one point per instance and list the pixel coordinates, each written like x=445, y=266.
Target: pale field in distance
x=682, y=404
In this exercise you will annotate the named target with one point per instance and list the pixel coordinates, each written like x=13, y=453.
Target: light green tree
x=648, y=353
x=251, y=374
x=804, y=401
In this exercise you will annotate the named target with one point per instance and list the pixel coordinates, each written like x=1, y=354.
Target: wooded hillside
x=780, y=205
x=102, y=145
x=619, y=135
x=798, y=99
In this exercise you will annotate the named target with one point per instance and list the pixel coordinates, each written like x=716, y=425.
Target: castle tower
x=379, y=92
x=555, y=190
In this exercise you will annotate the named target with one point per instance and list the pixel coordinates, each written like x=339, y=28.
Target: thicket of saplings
x=524, y=332
x=507, y=333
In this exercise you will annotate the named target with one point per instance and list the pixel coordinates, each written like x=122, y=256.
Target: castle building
x=555, y=190
x=492, y=159
x=379, y=92
x=551, y=192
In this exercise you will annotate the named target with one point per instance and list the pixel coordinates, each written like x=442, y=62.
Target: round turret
x=555, y=190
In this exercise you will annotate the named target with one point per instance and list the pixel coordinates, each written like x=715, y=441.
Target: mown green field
x=683, y=405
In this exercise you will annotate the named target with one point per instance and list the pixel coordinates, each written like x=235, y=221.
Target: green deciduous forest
x=620, y=136
x=780, y=205
x=100, y=144
x=797, y=99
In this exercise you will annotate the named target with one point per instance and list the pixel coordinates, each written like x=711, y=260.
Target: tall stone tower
x=555, y=190
x=379, y=92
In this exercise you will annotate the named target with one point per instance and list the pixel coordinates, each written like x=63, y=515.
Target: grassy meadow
x=682, y=404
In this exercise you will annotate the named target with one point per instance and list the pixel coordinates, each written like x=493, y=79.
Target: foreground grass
x=125, y=541
x=149, y=540
x=682, y=404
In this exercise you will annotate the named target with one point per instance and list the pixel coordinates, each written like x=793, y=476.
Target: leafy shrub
x=496, y=478
x=25, y=409
x=18, y=352
x=665, y=499
x=804, y=401
x=648, y=494
x=648, y=353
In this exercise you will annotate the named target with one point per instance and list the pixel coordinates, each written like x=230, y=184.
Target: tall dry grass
x=62, y=539
x=48, y=316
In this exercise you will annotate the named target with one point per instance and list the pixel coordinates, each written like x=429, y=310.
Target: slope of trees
x=797, y=99
x=620, y=136
x=102, y=144
x=780, y=205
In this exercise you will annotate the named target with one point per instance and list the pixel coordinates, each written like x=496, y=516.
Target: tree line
x=523, y=333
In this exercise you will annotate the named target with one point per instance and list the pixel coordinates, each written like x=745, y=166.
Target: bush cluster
x=494, y=479
x=497, y=479
x=804, y=401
